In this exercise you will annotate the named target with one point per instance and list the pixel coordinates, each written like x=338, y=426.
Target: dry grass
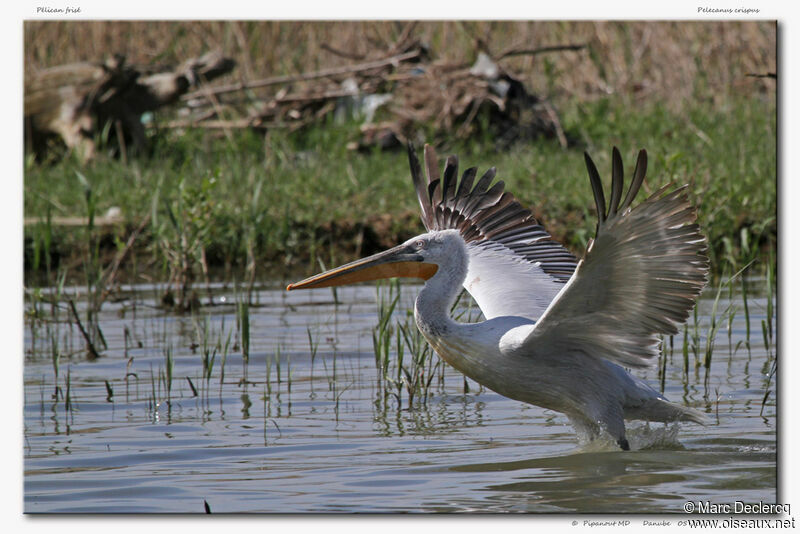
x=670, y=62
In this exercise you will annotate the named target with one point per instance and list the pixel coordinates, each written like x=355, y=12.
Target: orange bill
x=399, y=262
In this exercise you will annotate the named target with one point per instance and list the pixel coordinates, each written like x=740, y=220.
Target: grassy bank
x=288, y=201
x=242, y=205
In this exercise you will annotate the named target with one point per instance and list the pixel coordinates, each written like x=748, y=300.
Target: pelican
x=558, y=332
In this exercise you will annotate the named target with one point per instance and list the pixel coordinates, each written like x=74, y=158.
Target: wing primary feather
x=491, y=197
x=431, y=163
x=493, y=207
x=499, y=229
x=663, y=189
x=480, y=188
x=433, y=188
x=597, y=189
x=449, y=179
x=420, y=187
x=511, y=215
x=617, y=174
x=638, y=178
x=432, y=169
x=462, y=195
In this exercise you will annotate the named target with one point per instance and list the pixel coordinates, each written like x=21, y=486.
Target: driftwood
x=394, y=94
x=327, y=73
x=523, y=51
x=76, y=102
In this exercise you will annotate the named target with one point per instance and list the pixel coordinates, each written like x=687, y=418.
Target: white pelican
x=558, y=331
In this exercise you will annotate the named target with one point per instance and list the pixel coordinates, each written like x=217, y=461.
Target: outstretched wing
x=515, y=268
x=639, y=278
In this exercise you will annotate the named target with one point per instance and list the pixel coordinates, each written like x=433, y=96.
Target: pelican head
x=419, y=257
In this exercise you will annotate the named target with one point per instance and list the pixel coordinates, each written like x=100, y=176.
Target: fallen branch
x=325, y=73
x=341, y=53
x=219, y=124
x=541, y=50
x=76, y=101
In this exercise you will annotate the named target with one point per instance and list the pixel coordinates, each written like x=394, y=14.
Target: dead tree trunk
x=76, y=102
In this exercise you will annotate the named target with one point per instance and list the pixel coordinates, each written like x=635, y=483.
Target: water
x=325, y=438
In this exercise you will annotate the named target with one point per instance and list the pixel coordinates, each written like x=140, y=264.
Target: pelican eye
x=420, y=244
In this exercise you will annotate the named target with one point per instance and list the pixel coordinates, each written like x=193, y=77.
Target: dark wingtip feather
x=462, y=195
x=449, y=179
x=638, y=179
x=478, y=191
x=617, y=175
x=432, y=190
x=597, y=188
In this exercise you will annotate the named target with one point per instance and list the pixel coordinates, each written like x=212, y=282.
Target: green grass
x=291, y=200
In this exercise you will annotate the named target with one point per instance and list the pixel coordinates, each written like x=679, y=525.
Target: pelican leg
x=614, y=424
x=610, y=422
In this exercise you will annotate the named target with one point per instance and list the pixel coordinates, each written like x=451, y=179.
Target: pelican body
x=558, y=333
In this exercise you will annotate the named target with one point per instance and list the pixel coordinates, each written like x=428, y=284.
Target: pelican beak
x=401, y=261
